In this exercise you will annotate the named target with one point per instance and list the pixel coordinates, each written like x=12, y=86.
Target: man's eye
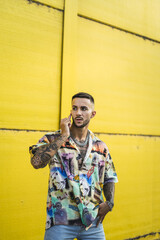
x=84, y=108
x=74, y=108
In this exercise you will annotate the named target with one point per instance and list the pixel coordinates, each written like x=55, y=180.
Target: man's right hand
x=65, y=125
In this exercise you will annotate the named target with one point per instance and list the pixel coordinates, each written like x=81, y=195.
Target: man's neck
x=79, y=133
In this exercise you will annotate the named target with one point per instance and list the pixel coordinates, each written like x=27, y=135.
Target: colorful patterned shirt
x=74, y=194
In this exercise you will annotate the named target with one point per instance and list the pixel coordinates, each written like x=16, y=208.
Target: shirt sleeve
x=110, y=174
x=32, y=149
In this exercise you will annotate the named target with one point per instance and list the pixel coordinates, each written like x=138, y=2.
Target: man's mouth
x=79, y=119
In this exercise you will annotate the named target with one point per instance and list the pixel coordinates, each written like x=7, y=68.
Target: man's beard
x=81, y=126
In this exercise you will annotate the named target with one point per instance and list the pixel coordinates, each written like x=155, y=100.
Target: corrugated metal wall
x=110, y=49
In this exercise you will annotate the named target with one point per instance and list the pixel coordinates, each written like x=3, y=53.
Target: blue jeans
x=63, y=232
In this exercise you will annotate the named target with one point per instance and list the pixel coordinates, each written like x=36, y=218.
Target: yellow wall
x=51, y=49
x=31, y=41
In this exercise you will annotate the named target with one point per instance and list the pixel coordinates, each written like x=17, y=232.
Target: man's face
x=82, y=111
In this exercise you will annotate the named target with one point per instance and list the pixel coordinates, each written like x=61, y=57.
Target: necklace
x=81, y=144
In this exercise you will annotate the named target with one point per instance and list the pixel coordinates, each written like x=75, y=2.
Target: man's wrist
x=65, y=135
x=110, y=205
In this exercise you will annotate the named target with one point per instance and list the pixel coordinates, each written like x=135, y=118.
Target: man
x=80, y=168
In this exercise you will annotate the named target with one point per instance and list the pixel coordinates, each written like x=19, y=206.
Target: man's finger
x=69, y=117
x=99, y=219
x=102, y=218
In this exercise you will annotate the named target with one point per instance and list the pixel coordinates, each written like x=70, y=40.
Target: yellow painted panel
x=53, y=3
x=137, y=209
x=30, y=39
x=140, y=17
x=156, y=190
x=122, y=72
x=23, y=192
x=69, y=55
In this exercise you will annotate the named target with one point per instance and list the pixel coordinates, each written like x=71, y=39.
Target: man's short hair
x=83, y=95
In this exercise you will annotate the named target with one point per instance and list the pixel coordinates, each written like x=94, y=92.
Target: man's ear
x=93, y=114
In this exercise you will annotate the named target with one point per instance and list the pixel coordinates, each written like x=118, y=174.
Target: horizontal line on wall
x=120, y=29
x=97, y=133
x=44, y=5
x=24, y=130
x=128, y=134
x=143, y=236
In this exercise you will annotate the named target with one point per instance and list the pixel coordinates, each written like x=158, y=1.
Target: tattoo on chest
x=83, y=151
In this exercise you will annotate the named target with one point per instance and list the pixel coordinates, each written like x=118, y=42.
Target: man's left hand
x=103, y=210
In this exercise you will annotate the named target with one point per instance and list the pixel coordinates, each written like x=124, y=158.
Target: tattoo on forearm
x=45, y=157
x=109, y=189
x=52, y=146
x=44, y=153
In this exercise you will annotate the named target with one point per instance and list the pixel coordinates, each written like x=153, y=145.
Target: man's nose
x=78, y=112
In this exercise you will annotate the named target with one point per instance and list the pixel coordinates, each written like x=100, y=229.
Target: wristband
x=110, y=205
